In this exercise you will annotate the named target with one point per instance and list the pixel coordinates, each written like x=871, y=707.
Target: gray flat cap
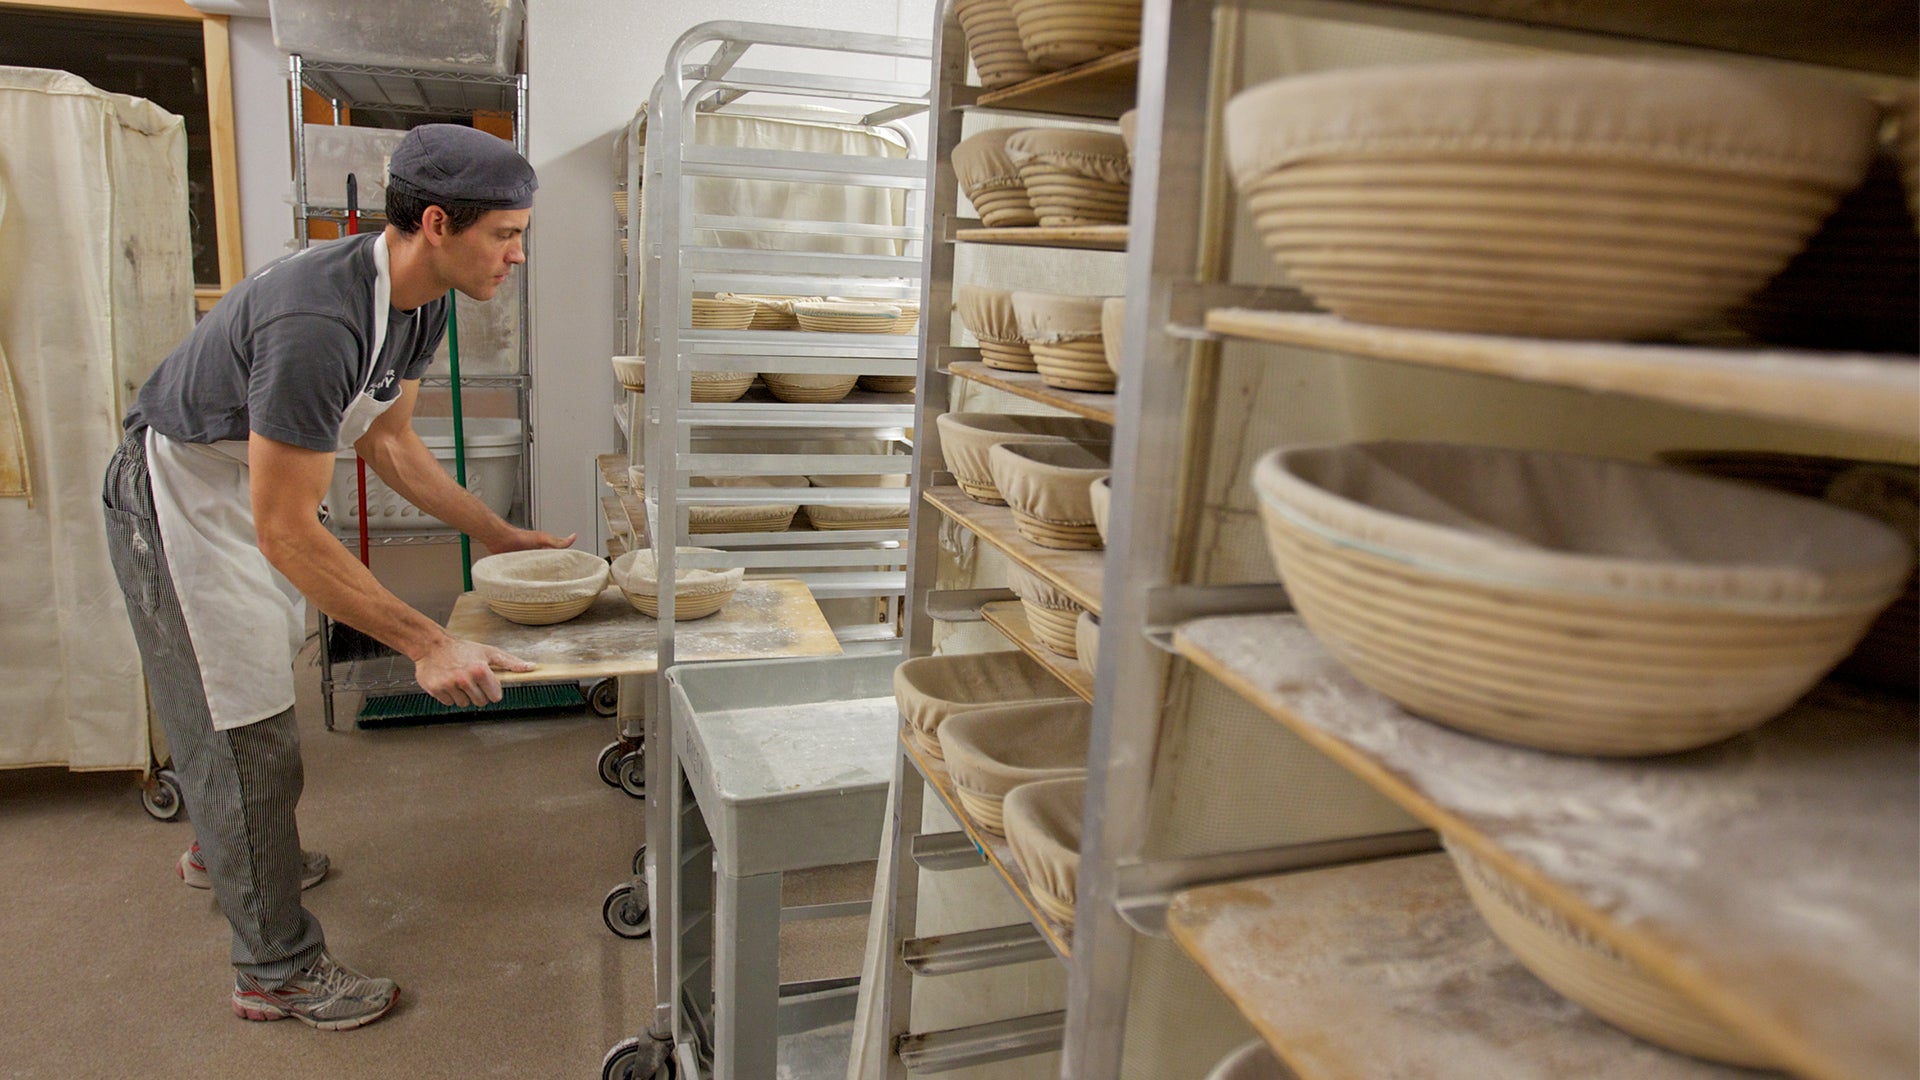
x=450, y=165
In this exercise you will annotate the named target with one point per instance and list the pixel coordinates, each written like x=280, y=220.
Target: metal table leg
x=746, y=977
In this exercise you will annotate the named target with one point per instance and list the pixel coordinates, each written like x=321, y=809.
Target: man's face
x=477, y=259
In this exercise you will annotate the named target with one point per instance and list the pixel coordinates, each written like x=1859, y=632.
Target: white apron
x=246, y=620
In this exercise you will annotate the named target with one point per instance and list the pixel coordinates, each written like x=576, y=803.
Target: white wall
x=262, y=133
x=591, y=63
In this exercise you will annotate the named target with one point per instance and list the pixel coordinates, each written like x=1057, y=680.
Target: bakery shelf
x=1102, y=89
x=1078, y=237
x=613, y=470
x=1772, y=878
x=1027, y=384
x=1866, y=393
x=1010, y=618
x=998, y=854
x=1077, y=573
x=1385, y=969
x=1878, y=37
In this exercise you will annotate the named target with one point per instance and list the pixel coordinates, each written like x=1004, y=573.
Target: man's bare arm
x=395, y=453
x=286, y=485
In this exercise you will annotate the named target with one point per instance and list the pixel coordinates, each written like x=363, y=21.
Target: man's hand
x=527, y=540
x=461, y=673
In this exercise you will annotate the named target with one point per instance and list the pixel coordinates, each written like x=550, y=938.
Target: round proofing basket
x=1594, y=975
x=1566, y=603
x=990, y=180
x=994, y=41
x=1053, y=615
x=831, y=518
x=889, y=384
x=715, y=314
x=770, y=311
x=720, y=386
x=1113, y=315
x=1007, y=355
x=632, y=372
x=542, y=586
x=1074, y=365
x=1561, y=198
x=808, y=388
x=1061, y=33
x=697, y=593
x=1061, y=197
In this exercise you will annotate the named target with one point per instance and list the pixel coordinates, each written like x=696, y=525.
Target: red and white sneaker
x=327, y=995
x=313, y=867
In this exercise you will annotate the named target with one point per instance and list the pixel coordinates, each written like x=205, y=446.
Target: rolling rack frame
x=680, y=1030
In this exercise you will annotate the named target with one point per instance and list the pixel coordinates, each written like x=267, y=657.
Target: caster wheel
x=609, y=764
x=640, y=861
x=161, y=796
x=627, y=914
x=604, y=698
x=633, y=774
x=642, y=1058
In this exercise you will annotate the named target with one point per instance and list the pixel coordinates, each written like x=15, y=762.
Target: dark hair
x=404, y=212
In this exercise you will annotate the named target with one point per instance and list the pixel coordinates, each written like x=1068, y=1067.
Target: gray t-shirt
x=285, y=353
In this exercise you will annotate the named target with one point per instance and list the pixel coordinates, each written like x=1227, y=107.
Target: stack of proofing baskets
x=1567, y=603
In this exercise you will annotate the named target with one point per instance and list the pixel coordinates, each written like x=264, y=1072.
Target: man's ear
x=433, y=224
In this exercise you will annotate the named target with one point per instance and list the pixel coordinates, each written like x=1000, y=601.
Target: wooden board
x=1773, y=878
x=764, y=620
x=995, y=848
x=1078, y=237
x=1870, y=394
x=1875, y=36
x=1077, y=573
x=1010, y=618
x=613, y=470
x=1102, y=88
x=1027, y=384
x=1384, y=969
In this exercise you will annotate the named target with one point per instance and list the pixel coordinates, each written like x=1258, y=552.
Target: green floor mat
x=396, y=710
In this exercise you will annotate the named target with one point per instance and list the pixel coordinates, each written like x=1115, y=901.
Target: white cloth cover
x=96, y=285
x=794, y=202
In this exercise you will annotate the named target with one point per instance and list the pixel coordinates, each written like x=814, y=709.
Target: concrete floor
x=469, y=863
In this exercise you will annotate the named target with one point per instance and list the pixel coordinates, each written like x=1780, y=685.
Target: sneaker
x=327, y=995
x=193, y=871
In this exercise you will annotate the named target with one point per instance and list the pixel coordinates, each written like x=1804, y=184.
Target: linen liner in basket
x=966, y=438
x=1042, y=820
x=991, y=180
x=989, y=752
x=1066, y=336
x=1086, y=642
x=540, y=587
x=1073, y=177
x=1051, y=613
x=697, y=591
x=1046, y=486
x=988, y=314
x=929, y=689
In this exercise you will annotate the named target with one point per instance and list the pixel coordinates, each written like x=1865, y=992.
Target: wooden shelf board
x=1876, y=37
x=1102, y=88
x=1385, y=969
x=1077, y=237
x=1772, y=878
x=1027, y=384
x=1077, y=573
x=999, y=854
x=1866, y=393
x=613, y=470
x=1010, y=618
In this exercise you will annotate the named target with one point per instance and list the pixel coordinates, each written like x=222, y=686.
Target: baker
x=213, y=506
